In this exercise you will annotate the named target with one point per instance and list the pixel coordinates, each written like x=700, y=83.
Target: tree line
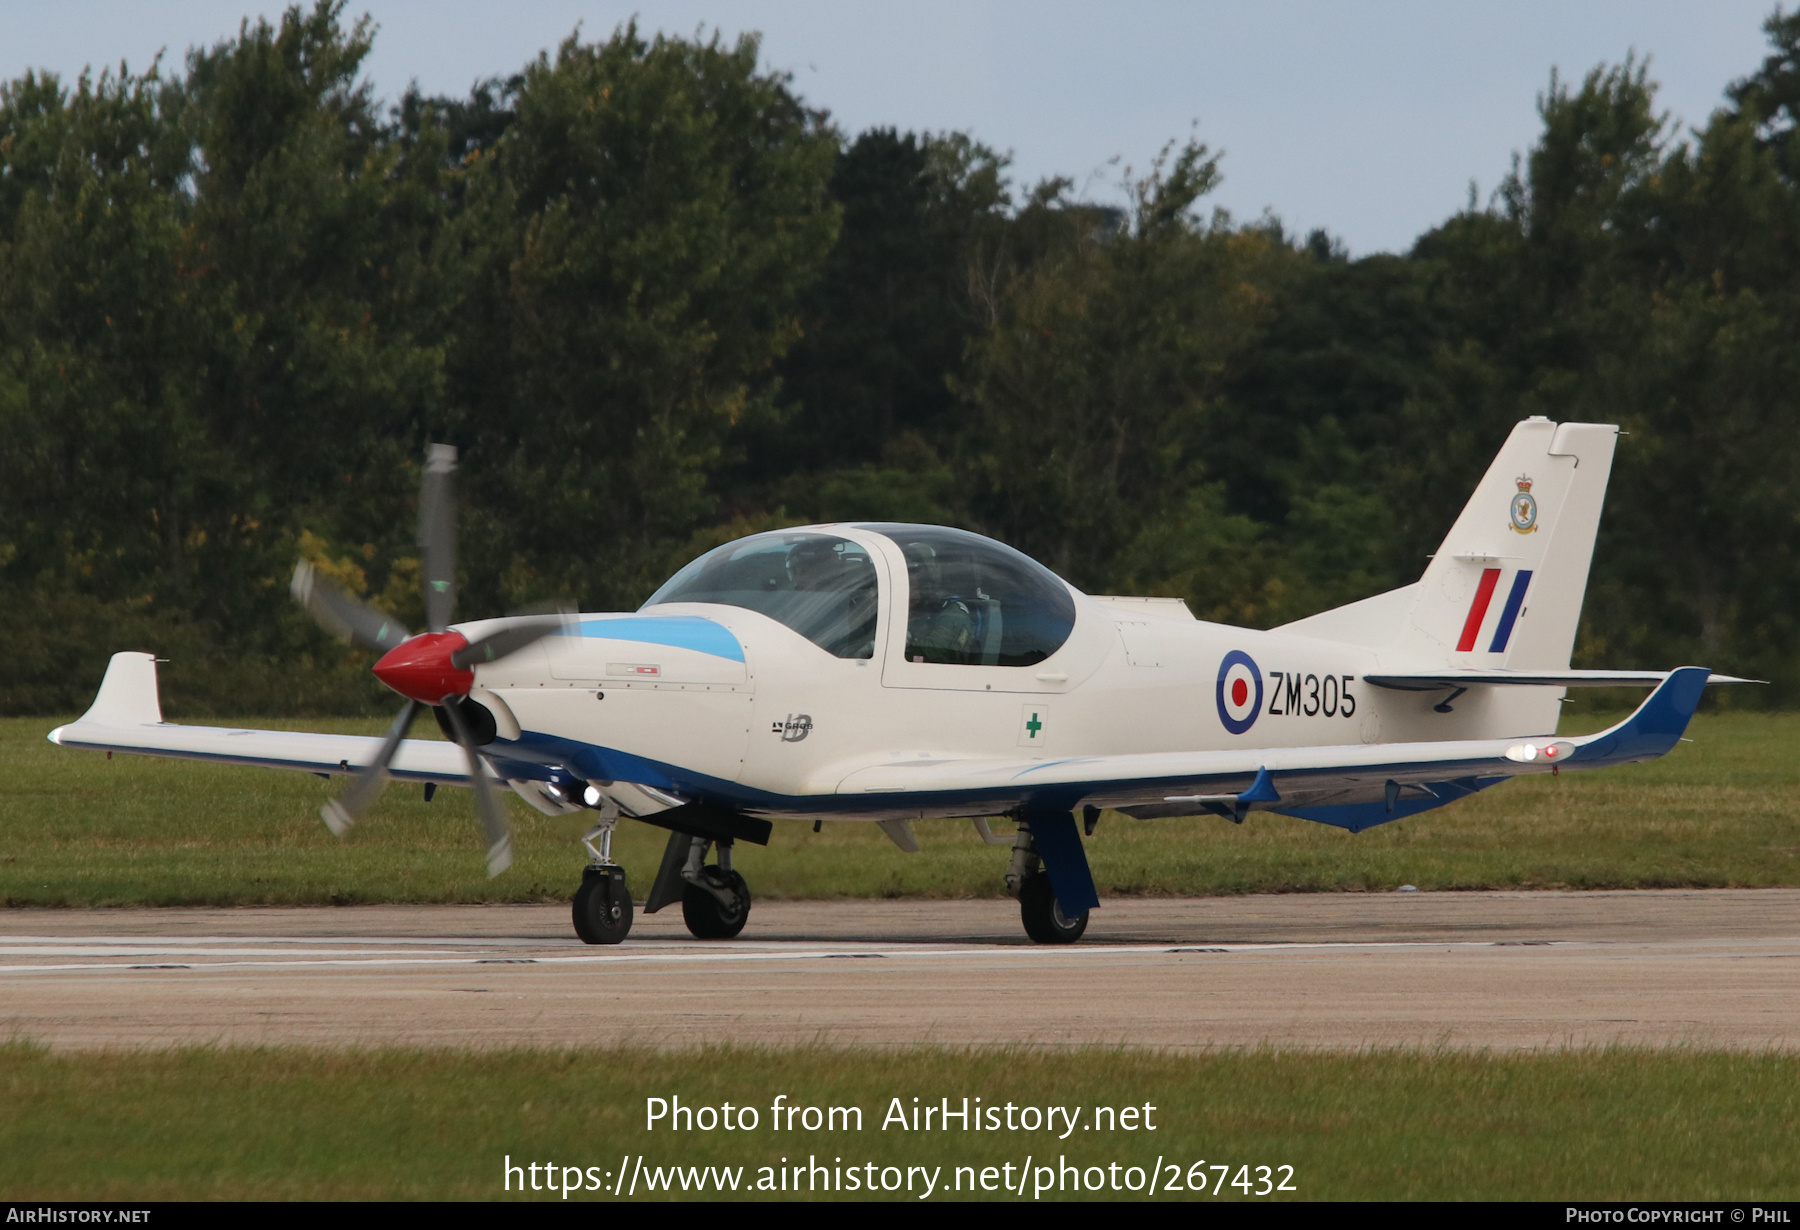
x=659, y=300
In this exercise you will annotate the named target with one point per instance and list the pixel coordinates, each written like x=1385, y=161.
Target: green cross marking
x=1034, y=725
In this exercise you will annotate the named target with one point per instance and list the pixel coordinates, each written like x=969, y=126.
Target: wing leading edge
x=126, y=716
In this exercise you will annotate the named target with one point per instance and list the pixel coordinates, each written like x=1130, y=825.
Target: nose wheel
x=603, y=912
x=602, y=905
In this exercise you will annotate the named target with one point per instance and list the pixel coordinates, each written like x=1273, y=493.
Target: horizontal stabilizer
x=1451, y=677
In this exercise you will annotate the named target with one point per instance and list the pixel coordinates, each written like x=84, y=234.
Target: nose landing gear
x=602, y=905
x=603, y=912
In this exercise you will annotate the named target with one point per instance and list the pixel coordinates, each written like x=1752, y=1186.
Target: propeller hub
x=420, y=669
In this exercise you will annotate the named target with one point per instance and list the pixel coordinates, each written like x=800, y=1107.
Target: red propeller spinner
x=420, y=669
x=431, y=669
x=424, y=669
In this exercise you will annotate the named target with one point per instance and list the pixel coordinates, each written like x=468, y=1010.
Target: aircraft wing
x=127, y=717
x=1289, y=777
x=1453, y=677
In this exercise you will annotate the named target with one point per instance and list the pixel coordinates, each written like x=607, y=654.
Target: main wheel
x=603, y=906
x=707, y=917
x=1043, y=918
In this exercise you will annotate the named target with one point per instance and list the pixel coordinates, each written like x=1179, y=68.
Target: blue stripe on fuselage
x=610, y=764
x=678, y=631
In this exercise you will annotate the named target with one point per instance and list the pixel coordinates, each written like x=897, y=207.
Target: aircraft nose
x=420, y=669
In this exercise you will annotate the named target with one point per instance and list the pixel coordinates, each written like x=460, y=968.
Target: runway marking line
x=762, y=951
x=387, y=941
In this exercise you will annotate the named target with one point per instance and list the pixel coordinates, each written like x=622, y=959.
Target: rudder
x=1506, y=585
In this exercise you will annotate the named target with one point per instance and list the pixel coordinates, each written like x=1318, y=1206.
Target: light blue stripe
x=679, y=631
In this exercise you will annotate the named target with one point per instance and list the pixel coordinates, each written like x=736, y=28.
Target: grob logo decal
x=1240, y=693
x=796, y=728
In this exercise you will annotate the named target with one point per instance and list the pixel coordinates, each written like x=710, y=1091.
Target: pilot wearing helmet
x=940, y=627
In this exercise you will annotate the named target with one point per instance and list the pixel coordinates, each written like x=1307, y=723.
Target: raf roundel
x=1240, y=691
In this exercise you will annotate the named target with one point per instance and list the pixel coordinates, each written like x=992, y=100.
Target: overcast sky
x=1368, y=119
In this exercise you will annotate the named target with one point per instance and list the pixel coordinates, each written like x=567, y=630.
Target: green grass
x=1609, y=1124
x=82, y=830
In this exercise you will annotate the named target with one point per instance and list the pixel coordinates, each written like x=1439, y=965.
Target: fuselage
x=730, y=695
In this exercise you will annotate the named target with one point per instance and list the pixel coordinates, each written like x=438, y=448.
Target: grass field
x=82, y=830
x=274, y=1124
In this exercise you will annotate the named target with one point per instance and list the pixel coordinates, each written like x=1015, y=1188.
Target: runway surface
x=1502, y=970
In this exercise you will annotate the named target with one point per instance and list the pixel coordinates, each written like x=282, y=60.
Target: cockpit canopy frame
x=968, y=600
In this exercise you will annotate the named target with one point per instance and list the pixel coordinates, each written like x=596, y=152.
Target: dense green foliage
x=659, y=300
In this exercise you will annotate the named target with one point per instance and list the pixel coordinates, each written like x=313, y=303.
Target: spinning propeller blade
x=508, y=640
x=343, y=615
x=421, y=666
x=437, y=535
x=493, y=819
x=345, y=810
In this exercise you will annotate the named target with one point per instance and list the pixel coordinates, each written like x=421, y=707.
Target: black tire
x=707, y=917
x=1043, y=918
x=603, y=911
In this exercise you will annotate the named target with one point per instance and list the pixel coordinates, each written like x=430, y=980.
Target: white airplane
x=890, y=673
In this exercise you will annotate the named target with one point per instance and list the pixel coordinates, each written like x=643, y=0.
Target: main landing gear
x=715, y=905
x=1029, y=880
x=1043, y=917
x=715, y=901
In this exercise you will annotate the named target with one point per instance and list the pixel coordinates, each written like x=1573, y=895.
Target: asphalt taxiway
x=1501, y=970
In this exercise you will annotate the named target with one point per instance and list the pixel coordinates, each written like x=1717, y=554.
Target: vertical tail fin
x=1506, y=585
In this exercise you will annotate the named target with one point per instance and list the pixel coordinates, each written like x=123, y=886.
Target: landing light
x=1525, y=753
x=591, y=796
